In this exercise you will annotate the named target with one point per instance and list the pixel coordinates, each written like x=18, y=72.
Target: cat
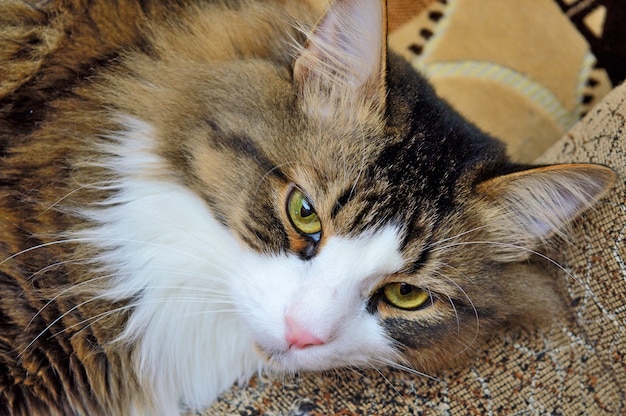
x=195, y=191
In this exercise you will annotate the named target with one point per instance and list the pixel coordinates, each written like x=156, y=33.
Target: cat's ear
x=342, y=64
x=527, y=207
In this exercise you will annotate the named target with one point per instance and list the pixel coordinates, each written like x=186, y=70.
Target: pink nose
x=298, y=337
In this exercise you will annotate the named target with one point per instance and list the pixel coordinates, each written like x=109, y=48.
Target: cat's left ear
x=342, y=65
x=524, y=208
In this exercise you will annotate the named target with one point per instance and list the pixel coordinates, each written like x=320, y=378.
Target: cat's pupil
x=405, y=289
x=306, y=210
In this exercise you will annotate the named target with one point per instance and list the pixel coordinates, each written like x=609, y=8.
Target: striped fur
x=147, y=151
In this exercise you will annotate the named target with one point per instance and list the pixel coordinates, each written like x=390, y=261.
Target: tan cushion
x=521, y=71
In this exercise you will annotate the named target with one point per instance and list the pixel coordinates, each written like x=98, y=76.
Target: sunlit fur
x=147, y=153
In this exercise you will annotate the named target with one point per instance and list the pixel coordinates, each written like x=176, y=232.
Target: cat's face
x=364, y=222
x=202, y=194
x=339, y=227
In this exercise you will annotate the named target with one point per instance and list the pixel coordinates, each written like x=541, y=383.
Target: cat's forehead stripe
x=421, y=260
x=367, y=212
x=342, y=200
x=243, y=146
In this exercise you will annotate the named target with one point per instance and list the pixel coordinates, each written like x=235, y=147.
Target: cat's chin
x=308, y=359
x=319, y=358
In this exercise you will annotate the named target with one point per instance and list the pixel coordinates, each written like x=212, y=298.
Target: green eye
x=302, y=214
x=405, y=296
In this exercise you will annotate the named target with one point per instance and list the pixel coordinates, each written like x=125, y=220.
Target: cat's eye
x=405, y=296
x=302, y=214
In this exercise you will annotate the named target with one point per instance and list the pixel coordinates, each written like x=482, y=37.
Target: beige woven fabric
x=575, y=367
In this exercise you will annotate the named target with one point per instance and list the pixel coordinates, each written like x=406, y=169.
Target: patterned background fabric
x=525, y=72
x=575, y=367
x=602, y=24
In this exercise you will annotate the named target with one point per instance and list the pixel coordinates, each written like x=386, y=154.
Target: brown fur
x=226, y=107
x=48, y=52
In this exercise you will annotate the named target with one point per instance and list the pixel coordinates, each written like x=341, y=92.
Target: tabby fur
x=145, y=143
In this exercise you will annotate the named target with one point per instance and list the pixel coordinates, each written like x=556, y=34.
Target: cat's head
x=373, y=224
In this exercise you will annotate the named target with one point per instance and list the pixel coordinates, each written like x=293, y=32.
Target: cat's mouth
x=320, y=357
x=311, y=358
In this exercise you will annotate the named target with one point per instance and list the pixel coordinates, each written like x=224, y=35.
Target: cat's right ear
x=341, y=68
x=524, y=208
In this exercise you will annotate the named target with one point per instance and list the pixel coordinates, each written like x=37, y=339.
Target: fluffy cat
x=194, y=191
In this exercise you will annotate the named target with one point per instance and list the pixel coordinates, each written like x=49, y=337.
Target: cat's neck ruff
x=165, y=250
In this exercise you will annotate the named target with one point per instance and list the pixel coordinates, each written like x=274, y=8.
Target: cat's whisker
x=434, y=244
x=209, y=312
x=277, y=167
x=469, y=299
x=110, y=240
x=456, y=284
x=359, y=374
x=390, y=384
x=398, y=366
x=55, y=321
x=40, y=246
x=353, y=370
x=94, y=185
x=456, y=314
x=53, y=266
x=78, y=287
x=86, y=323
x=521, y=248
x=191, y=290
x=61, y=293
x=107, y=295
x=91, y=320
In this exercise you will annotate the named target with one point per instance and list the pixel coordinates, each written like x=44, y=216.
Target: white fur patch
x=203, y=301
x=328, y=295
x=167, y=251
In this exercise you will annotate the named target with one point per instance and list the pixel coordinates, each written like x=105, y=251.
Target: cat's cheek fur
x=325, y=296
x=161, y=248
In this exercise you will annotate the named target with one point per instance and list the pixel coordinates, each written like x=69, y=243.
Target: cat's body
x=159, y=167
